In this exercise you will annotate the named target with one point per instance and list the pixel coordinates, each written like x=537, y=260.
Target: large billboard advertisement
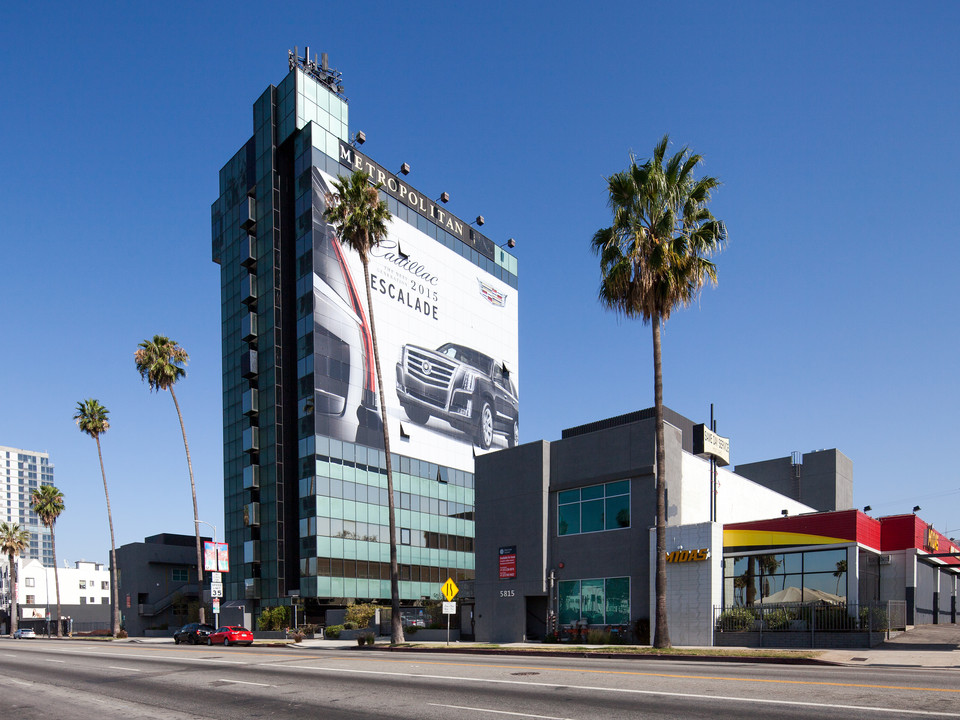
x=447, y=336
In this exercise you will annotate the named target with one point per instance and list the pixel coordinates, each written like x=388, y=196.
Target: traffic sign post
x=449, y=590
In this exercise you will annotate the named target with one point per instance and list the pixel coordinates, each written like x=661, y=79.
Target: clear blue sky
x=833, y=128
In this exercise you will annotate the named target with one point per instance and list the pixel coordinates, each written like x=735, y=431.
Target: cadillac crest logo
x=426, y=366
x=493, y=296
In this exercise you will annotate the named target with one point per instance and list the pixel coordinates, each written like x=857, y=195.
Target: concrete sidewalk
x=927, y=646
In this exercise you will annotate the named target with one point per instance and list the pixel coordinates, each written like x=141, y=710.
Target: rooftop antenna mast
x=317, y=68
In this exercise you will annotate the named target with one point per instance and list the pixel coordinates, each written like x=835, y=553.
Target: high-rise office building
x=304, y=471
x=22, y=472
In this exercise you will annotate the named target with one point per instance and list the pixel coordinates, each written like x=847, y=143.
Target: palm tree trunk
x=114, y=591
x=196, y=516
x=56, y=577
x=396, y=625
x=13, y=594
x=661, y=637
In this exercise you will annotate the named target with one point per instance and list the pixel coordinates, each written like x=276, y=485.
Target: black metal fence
x=807, y=625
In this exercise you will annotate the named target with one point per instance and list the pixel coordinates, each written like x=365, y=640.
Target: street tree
x=13, y=541
x=360, y=217
x=91, y=418
x=160, y=362
x=47, y=503
x=655, y=257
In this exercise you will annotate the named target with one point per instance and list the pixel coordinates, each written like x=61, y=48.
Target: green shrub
x=735, y=620
x=349, y=625
x=874, y=618
x=779, y=619
x=274, y=618
x=360, y=615
x=333, y=631
x=371, y=639
x=598, y=637
x=410, y=630
x=551, y=638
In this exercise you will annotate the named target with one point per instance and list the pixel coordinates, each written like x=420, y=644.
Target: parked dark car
x=470, y=390
x=193, y=634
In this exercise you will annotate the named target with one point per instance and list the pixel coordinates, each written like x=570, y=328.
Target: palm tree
x=159, y=362
x=47, y=503
x=839, y=573
x=13, y=541
x=654, y=258
x=360, y=217
x=91, y=418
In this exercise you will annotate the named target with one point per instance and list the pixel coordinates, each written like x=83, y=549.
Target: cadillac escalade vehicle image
x=462, y=386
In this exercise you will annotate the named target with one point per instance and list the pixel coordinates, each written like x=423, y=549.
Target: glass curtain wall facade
x=304, y=466
x=786, y=577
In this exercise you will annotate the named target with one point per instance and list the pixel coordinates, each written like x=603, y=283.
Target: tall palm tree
x=91, y=418
x=159, y=362
x=360, y=217
x=839, y=573
x=47, y=503
x=13, y=541
x=654, y=258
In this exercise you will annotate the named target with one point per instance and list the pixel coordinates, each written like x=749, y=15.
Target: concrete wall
x=693, y=588
x=738, y=499
x=511, y=508
x=823, y=480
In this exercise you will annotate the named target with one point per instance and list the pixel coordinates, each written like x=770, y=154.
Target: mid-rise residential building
x=22, y=472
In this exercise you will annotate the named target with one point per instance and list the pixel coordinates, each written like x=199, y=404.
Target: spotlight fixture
x=511, y=243
x=360, y=138
x=444, y=197
x=405, y=169
x=867, y=508
x=785, y=513
x=916, y=508
x=479, y=221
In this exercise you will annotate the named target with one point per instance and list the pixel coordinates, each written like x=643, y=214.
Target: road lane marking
x=244, y=682
x=677, y=676
x=115, y=667
x=19, y=682
x=631, y=691
x=52, y=660
x=498, y=712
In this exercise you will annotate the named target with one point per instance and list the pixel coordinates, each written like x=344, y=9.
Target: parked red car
x=230, y=635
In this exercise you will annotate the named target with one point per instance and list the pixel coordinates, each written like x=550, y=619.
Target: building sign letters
x=396, y=188
x=682, y=556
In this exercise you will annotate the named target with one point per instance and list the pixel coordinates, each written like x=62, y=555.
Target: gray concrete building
x=822, y=479
x=157, y=581
x=563, y=531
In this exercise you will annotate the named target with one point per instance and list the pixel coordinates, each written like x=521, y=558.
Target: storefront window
x=569, y=601
x=801, y=577
x=598, y=601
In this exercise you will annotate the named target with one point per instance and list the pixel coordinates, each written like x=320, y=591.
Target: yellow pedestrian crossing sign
x=449, y=589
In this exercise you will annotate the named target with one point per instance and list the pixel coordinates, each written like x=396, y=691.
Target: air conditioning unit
x=885, y=559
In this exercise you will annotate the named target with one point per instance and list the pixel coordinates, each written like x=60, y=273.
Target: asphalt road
x=102, y=681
